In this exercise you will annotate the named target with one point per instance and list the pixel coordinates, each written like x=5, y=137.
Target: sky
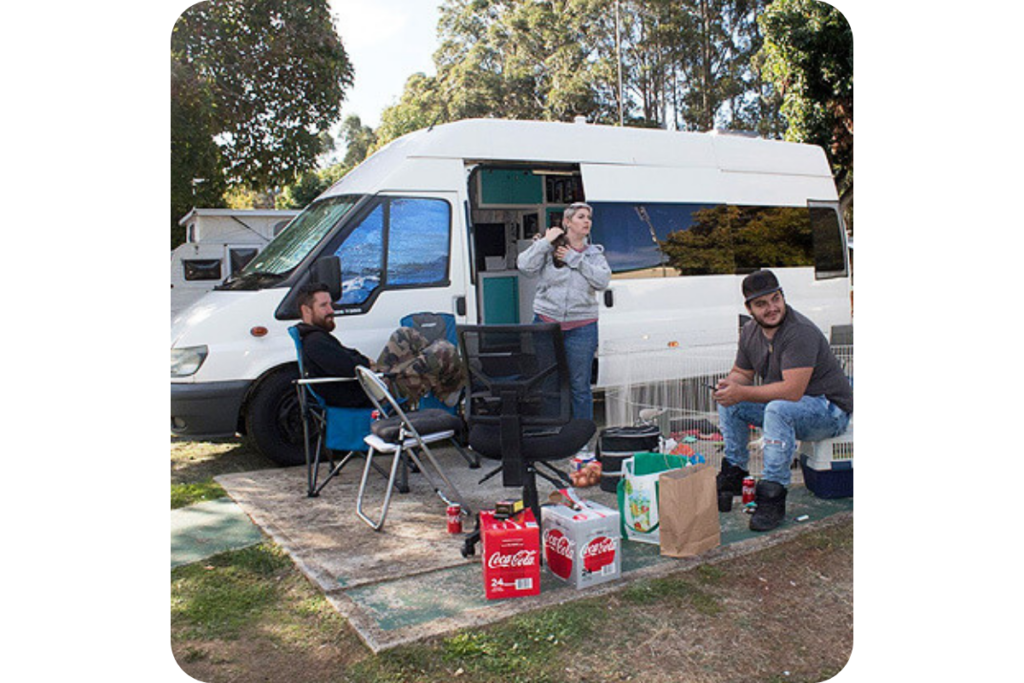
x=387, y=41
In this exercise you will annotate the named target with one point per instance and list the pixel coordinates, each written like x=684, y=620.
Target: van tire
x=272, y=420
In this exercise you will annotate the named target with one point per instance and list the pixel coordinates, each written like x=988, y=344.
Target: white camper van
x=434, y=221
x=218, y=244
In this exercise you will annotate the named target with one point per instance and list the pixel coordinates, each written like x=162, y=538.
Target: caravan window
x=241, y=256
x=665, y=240
x=201, y=269
x=417, y=235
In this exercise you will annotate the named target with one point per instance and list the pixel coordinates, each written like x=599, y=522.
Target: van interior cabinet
x=502, y=187
x=499, y=298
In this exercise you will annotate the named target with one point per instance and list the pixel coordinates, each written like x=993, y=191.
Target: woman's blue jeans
x=580, y=347
x=783, y=423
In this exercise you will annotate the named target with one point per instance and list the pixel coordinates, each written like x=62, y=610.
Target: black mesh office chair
x=519, y=405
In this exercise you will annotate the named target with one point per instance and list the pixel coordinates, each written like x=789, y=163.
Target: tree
x=255, y=85
x=684, y=62
x=808, y=56
x=196, y=177
x=359, y=140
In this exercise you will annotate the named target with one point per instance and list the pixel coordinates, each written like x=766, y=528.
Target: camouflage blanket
x=415, y=367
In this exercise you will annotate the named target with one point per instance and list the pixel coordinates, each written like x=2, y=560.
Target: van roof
x=540, y=142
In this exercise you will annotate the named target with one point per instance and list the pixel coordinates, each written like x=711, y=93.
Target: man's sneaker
x=770, y=497
x=730, y=478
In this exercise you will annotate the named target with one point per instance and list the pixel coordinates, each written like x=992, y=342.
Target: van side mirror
x=327, y=270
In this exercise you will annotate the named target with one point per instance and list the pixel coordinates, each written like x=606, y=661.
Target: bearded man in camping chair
x=412, y=365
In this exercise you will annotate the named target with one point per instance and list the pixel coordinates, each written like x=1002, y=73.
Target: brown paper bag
x=688, y=510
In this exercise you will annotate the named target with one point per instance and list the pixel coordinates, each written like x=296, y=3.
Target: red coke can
x=455, y=518
x=749, y=487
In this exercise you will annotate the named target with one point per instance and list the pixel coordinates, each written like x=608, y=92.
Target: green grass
x=528, y=648
x=218, y=597
x=660, y=591
x=188, y=494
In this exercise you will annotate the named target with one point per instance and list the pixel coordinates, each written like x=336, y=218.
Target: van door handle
x=609, y=298
x=460, y=305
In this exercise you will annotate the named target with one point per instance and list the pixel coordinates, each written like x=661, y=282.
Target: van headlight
x=187, y=361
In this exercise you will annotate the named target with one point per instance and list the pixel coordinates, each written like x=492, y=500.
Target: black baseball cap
x=759, y=283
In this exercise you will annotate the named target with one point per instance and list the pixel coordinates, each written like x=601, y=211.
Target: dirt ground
x=781, y=614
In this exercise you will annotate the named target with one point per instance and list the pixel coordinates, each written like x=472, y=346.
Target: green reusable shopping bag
x=638, y=494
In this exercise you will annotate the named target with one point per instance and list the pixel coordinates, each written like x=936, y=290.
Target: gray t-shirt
x=798, y=343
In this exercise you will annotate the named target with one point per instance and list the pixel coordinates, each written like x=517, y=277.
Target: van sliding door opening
x=510, y=206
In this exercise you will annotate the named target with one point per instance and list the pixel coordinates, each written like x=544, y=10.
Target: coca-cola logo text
x=599, y=553
x=599, y=545
x=521, y=558
x=557, y=543
x=558, y=549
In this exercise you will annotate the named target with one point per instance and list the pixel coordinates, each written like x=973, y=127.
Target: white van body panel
x=222, y=321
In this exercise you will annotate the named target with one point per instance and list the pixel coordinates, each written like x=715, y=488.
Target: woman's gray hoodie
x=570, y=293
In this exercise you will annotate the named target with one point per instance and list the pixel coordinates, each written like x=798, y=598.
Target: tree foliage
x=255, y=85
x=686, y=64
x=808, y=56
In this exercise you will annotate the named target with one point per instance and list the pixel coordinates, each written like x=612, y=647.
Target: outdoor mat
x=410, y=581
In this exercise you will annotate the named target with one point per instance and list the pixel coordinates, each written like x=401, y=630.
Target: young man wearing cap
x=804, y=395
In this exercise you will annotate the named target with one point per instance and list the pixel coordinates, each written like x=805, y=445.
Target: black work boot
x=770, y=497
x=731, y=478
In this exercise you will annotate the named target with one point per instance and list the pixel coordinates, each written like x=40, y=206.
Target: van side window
x=668, y=240
x=414, y=235
x=418, y=242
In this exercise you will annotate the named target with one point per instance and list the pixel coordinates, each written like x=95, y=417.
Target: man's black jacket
x=324, y=356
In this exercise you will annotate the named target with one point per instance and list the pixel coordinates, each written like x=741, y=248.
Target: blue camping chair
x=332, y=429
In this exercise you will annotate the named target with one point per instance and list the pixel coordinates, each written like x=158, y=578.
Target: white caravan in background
x=434, y=221
x=218, y=244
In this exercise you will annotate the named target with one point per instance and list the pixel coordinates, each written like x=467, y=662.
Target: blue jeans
x=580, y=347
x=812, y=418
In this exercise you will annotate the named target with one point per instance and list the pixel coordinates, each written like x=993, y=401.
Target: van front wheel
x=272, y=419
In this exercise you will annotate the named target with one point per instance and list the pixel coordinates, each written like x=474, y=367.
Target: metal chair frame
x=405, y=446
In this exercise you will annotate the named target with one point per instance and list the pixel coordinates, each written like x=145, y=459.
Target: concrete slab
x=204, y=529
x=409, y=581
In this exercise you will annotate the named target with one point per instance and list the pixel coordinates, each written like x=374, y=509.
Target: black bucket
x=619, y=440
x=616, y=444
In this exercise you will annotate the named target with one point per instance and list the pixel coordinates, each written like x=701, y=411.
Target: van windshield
x=295, y=242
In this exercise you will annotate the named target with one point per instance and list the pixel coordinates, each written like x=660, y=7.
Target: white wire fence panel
x=674, y=384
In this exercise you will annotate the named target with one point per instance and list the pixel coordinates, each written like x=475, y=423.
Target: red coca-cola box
x=582, y=547
x=511, y=557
